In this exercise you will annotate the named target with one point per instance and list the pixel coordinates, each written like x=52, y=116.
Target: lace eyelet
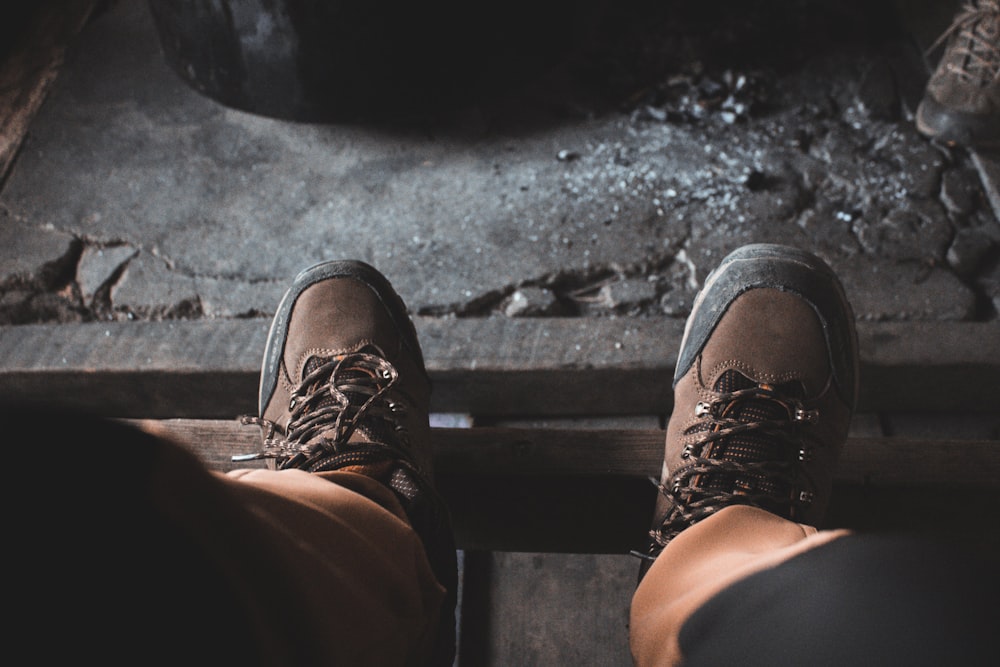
x=702, y=408
x=808, y=416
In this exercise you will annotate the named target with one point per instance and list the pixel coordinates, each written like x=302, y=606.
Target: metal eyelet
x=806, y=497
x=688, y=450
x=806, y=454
x=702, y=408
x=808, y=416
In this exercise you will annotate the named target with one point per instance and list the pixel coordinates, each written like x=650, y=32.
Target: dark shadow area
x=516, y=66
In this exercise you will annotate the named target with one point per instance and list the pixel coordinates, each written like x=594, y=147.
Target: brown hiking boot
x=343, y=382
x=764, y=390
x=343, y=387
x=961, y=104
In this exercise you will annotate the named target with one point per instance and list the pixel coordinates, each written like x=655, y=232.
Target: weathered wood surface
x=518, y=452
x=43, y=32
x=546, y=366
x=588, y=491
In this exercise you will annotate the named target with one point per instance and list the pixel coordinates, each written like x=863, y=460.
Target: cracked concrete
x=134, y=197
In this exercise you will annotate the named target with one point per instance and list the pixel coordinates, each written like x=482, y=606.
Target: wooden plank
x=988, y=165
x=41, y=34
x=523, y=452
x=484, y=366
x=588, y=491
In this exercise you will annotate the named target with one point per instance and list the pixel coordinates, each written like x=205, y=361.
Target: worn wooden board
x=588, y=491
x=635, y=453
x=553, y=366
x=988, y=164
x=41, y=33
x=484, y=366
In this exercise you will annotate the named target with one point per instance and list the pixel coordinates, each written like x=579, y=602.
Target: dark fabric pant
x=858, y=600
x=120, y=546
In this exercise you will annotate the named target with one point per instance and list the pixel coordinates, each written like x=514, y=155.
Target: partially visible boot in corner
x=961, y=103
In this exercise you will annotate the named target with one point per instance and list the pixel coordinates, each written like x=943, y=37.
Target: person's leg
x=737, y=572
x=701, y=562
x=764, y=390
x=124, y=548
x=127, y=548
x=344, y=391
x=863, y=599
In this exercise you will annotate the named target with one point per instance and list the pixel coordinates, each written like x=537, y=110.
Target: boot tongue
x=748, y=446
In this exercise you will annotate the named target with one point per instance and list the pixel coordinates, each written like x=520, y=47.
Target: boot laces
x=748, y=452
x=337, y=398
x=975, y=53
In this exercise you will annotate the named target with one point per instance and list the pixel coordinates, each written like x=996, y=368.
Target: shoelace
x=335, y=398
x=705, y=485
x=978, y=43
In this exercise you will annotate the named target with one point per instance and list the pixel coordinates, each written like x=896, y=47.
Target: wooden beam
x=39, y=34
x=588, y=491
x=531, y=452
x=483, y=366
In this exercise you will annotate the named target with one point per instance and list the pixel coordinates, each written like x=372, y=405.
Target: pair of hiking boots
x=961, y=103
x=764, y=390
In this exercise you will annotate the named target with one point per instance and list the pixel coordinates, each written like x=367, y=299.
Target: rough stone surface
x=148, y=289
x=968, y=250
x=27, y=251
x=989, y=165
x=98, y=266
x=906, y=291
x=615, y=183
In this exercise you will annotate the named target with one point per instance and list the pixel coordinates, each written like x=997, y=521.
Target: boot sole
x=766, y=265
x=348, y=269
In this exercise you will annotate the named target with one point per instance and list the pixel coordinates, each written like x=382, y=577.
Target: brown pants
x=745, y=587
x=125, y=548
x=702, y=561
x=363, y=568
x=122, y=546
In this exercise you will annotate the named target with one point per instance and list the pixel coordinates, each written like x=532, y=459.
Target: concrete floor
x=135, y=197
x=585, y=196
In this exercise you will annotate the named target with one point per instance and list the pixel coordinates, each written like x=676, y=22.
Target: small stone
x=531, y=301
x=627, y=294
x=967, y=251
x=98, y=265
x=958, y=191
